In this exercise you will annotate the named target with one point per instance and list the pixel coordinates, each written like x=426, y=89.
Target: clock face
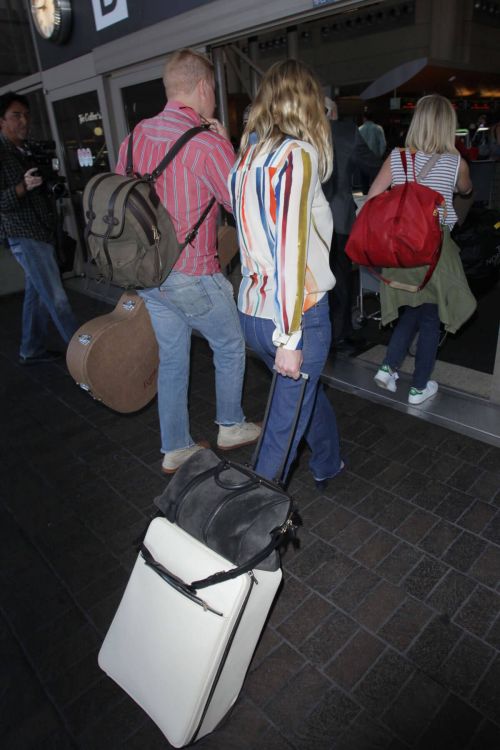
x=52, y=19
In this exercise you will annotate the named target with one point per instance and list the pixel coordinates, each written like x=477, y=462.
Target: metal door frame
x=69, y=91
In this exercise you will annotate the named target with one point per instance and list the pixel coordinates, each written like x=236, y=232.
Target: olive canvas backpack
x=129, y=233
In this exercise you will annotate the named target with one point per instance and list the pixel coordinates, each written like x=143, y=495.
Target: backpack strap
x=404, y=163
x=194, y=231
x=428, y=167
x=185, y=137
x=408, y=287
x=130, y=155
x=174, y=150
x=179, y=143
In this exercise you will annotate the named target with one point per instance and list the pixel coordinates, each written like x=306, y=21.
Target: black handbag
x=229, y=507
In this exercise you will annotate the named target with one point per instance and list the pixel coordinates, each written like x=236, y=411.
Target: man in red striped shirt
x=195, y=295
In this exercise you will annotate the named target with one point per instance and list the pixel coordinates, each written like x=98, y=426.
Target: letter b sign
x=108, y=12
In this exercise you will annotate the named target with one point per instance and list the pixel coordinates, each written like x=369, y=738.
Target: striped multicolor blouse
x=285, y=229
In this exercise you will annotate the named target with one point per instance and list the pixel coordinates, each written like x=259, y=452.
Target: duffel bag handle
x=252, y=481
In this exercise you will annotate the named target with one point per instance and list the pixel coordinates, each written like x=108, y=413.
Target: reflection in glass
x=39, y=121
x=79, y=121
x=143, y=100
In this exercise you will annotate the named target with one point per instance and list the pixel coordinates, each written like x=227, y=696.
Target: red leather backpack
x=400, y=228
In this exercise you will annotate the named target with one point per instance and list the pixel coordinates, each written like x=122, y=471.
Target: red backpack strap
x=404, y=163
x=408, y=287
x=402, y=156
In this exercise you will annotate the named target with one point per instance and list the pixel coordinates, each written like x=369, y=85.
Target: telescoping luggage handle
x=281, y=470
x=277, y=535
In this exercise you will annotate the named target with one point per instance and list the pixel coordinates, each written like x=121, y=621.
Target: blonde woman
x=446, y=298
x=285, y=228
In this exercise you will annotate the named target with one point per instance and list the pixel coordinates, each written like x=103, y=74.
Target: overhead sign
x=97, y=22
x=108, y=12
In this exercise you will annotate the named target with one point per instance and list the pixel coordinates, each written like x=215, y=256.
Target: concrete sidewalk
x=385, y=633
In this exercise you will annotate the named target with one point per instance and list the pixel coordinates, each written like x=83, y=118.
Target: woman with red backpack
x=446, y=298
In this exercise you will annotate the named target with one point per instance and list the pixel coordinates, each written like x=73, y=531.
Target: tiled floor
x=385, y=633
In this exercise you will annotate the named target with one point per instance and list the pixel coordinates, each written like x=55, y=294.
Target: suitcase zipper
x=227, y=649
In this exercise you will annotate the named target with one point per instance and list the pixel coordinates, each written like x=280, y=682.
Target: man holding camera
x=28, y=223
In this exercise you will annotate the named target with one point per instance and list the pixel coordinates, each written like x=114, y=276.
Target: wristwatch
x=52, y=19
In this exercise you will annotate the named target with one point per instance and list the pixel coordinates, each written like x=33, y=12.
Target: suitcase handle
x=281, y=469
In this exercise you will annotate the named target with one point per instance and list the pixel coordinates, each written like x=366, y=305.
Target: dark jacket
x=30, y=216
x=350, y=154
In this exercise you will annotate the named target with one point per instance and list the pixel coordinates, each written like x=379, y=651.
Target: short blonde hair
x=433, y=126
x=290, y=102
x=184, y=69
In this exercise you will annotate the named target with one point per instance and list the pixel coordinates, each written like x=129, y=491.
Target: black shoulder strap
x=194, y=231
x=130, y=155
x=185, y=137
x=180, y=142
x=277, y=537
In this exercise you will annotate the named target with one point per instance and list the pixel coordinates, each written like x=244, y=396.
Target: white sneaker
x=386, y=378
x=237, y=435
x=418, y=397
x=173, y=459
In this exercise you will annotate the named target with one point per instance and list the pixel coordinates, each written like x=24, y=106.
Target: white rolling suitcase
x=181, y=657
x=184, y=633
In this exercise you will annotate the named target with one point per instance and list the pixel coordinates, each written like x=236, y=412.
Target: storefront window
x=80, y=126
x=79, y=121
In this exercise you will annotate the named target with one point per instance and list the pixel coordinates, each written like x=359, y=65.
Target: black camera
x=44, y=157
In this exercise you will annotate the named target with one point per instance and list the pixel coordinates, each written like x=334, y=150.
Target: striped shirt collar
x=176, y=106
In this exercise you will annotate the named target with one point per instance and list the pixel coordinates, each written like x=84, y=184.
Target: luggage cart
x=368, y=284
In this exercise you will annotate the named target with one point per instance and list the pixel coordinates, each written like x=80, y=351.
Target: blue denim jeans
x=317, y=423
x=44, y=295
x=206, y=304
x=423, y=319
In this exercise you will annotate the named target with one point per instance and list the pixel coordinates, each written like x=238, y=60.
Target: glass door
x=142, y=100
x=81, y=120
x=135, y=95
x=84, y=147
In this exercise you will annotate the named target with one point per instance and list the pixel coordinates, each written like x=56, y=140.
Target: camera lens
x=58, y=189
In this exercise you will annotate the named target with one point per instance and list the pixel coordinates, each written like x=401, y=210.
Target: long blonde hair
x=433, y=126
x=290, y=102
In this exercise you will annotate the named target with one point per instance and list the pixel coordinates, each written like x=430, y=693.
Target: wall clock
x=52, y=19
